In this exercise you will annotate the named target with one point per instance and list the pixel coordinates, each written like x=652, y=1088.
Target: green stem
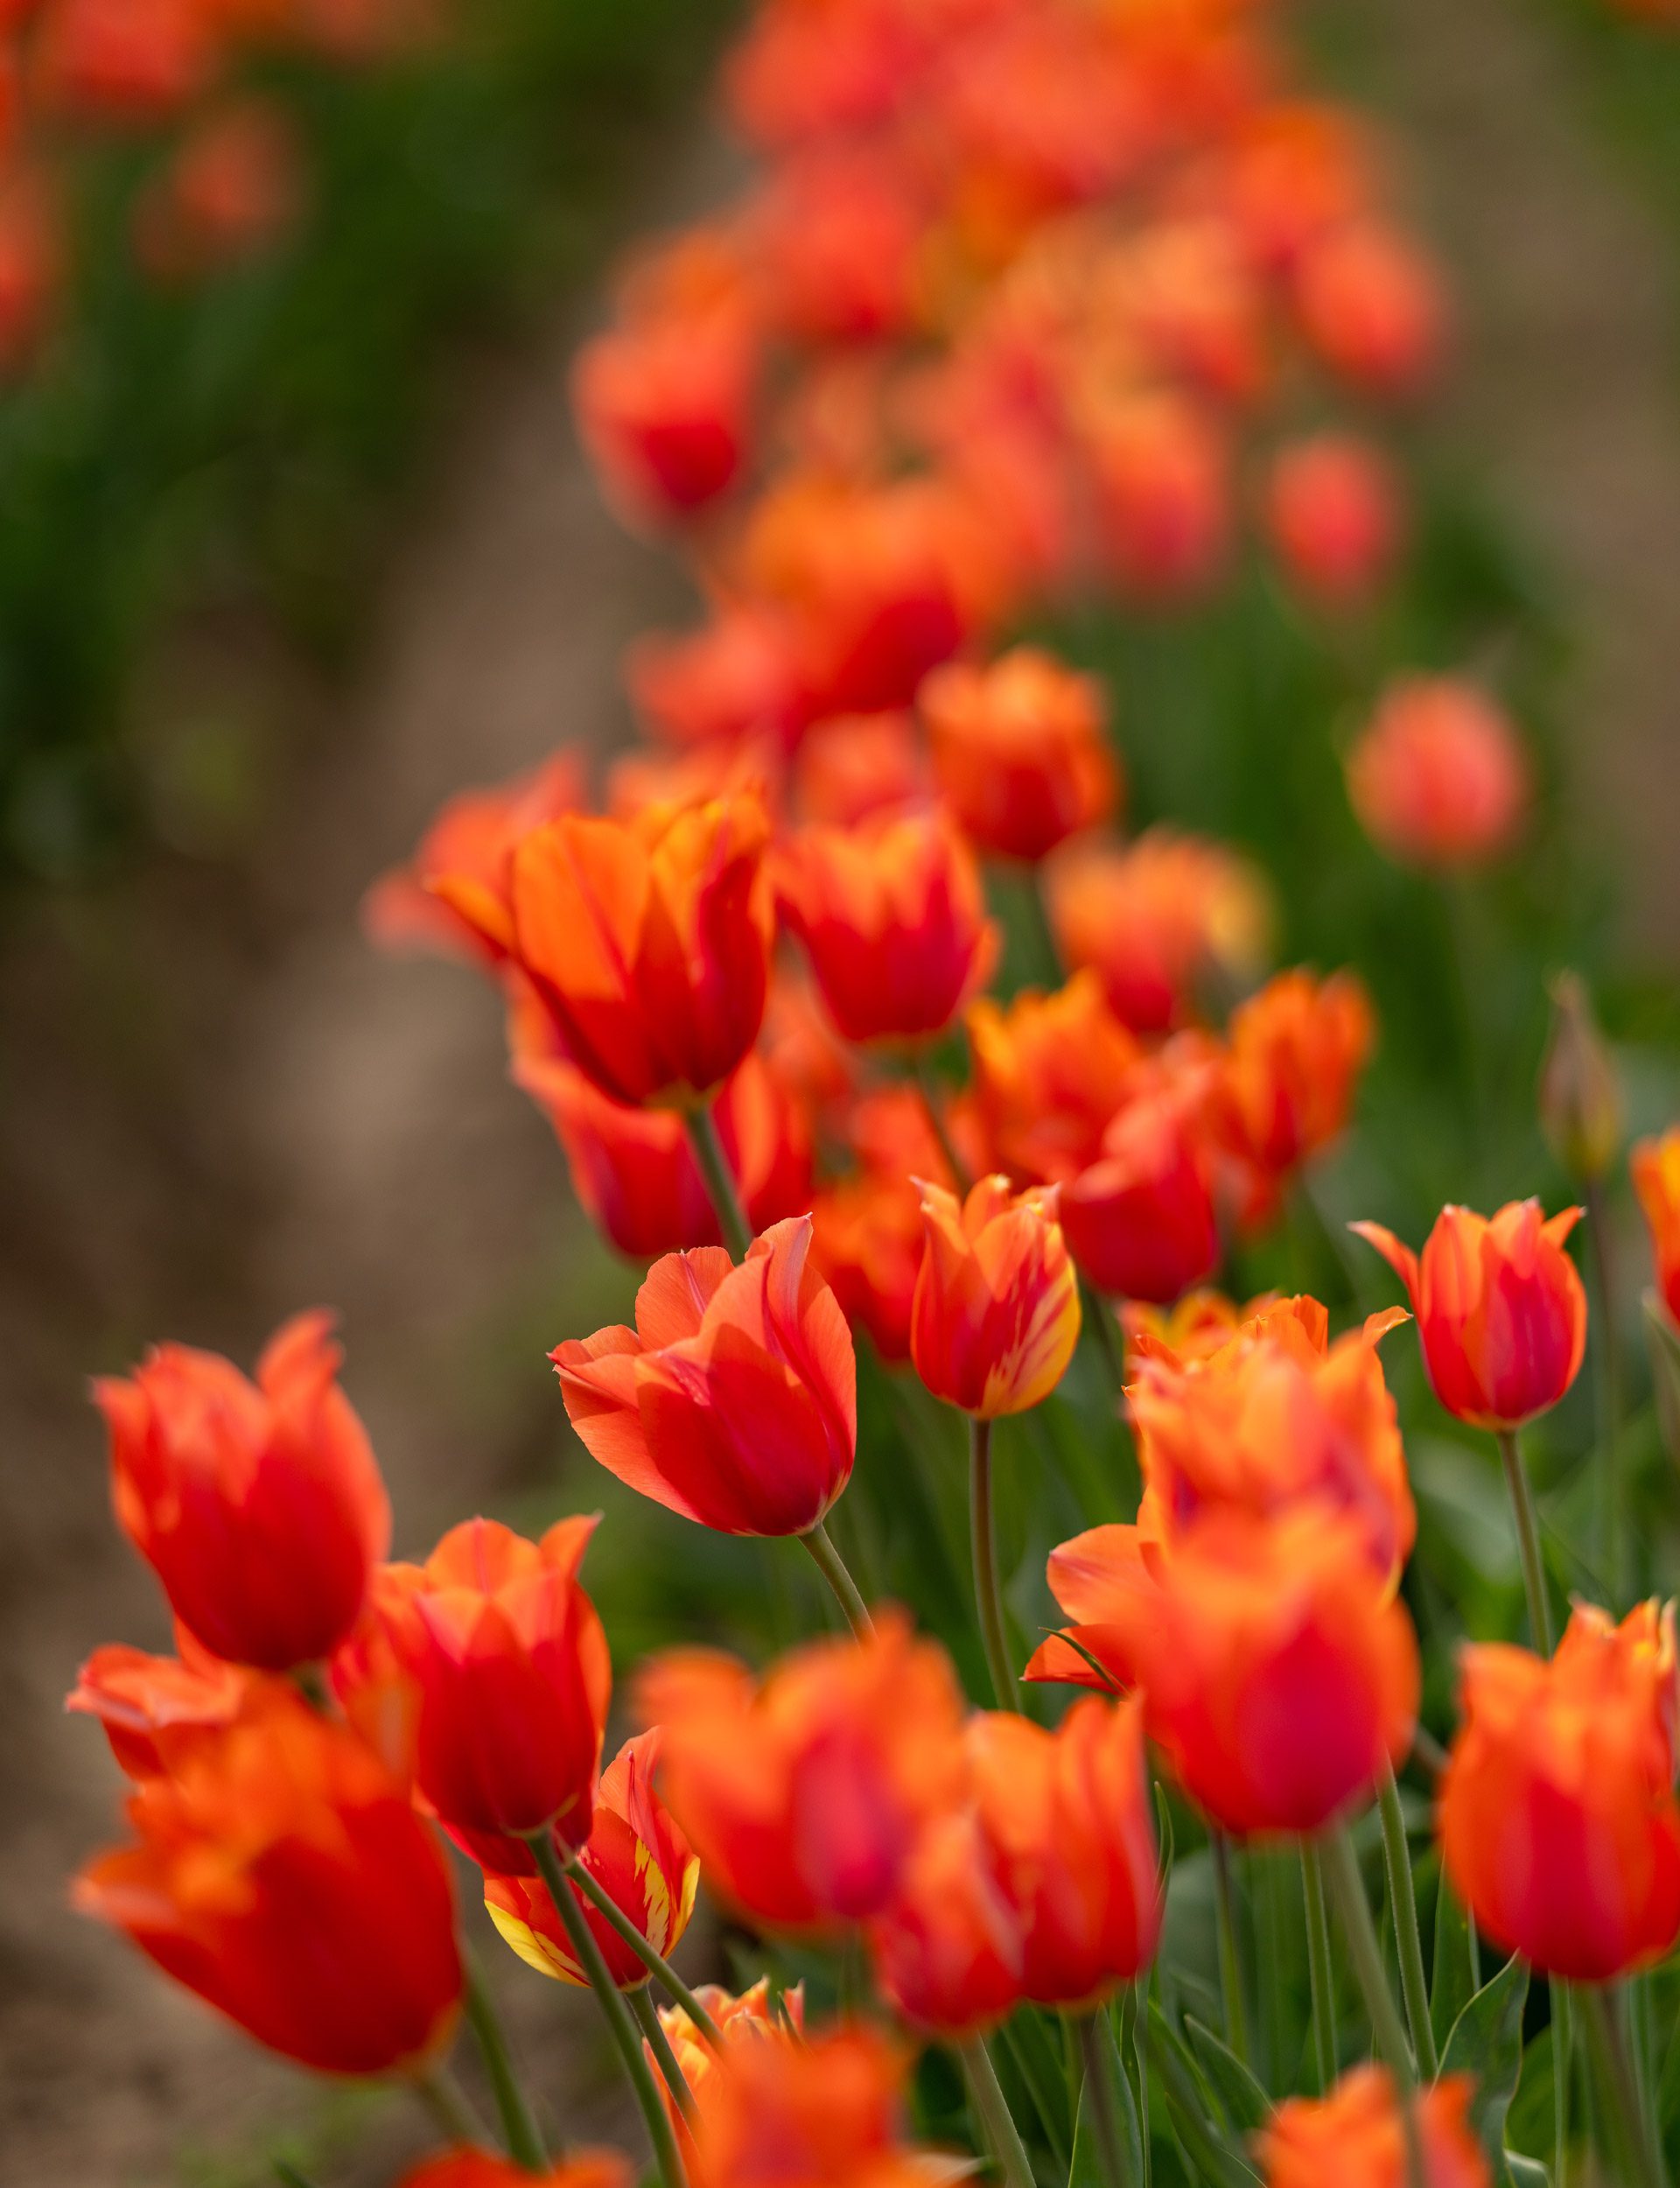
x=1608, y=1493
x=1320, y=1967
x=651, y=1958
x=1562, y=2047
x=1106, y=1337
x=820, y=1543
x=1230, y=1961
x=1346, y=1888
x=619, y=2018
x=1117, y=2170
x=519, y=2130
x=676, y=2081
x=1140, y=2044
x=1403, y=1899
x=1003, y=2137
x=1528, y=1539
x=713, y=1166
x=932, y=1101
x=1043, y=929
x=987, y=1603
x=440, y=2093
x=1641, y=2161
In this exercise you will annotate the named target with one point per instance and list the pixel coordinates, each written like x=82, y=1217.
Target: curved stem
x=1001, y=2133
x=651, y=1958
x=1403, y=1898
x=1528, y=1539
x=820, y=1543
x=519, y=2127
x=676, y=2080
x=987, y=1601
x=713, y=1166
x=1230, y=1963
x=619, y=2019
x=1116, y=2169
x=1347, y=1889
x=1606, y=1502
x=1320, y=1967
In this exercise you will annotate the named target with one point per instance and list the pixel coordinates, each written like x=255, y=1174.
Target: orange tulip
x=470, y=2168
x=1160, y=470
x=1559, y=1827
x=511, y=1681
x=894, y=919
x=473, y=839
x=1501, y=1312
x=1198, y=1326
x=1355, y=2137
x=1656, y=1168
x=1140, y=1219
x=259, y=1506
x=283, y=1876
x=635, y=1853
x=948, y=1952
x=1020, y=751
x=828, y=2113
x=647, y=942
x=1049, y=1072
x=664, y=410
x=734, y=1400
x=232, y=188
x=753, y=2017
x=804, y=1796
x=853, y=767
x=840, y=235
x=1275, y=1417
x=1278, y=1671
x=1439, y=777
x=1332, y=510
x=1371, y=305
x=159, y=1711
x=868, y=1242
x=117, y=61
x=734, y=679
x=995, y=1314
x=1155, y=918
x=1296, y=1051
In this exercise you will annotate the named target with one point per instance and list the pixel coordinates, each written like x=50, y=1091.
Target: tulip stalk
x=619, y=2019
x=1607, y=1507
x=1347, y=1888
x=927, y=1087
x=1528, y=1538
x=1641, y=2161
x=443, y=2097
x=988, y=1599
x=713, y=1166
x=659, y=2043
x=651, y=1958
x=1110, y=2142
x=827, y=1559
x=1322, y=1968
x=997, y=2122
x=1403, y=1899
x=1230, y=1958
x=1097, y=1318
x=519, y=2127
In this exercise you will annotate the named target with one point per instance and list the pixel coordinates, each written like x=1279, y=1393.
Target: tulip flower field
x=1105, y=1618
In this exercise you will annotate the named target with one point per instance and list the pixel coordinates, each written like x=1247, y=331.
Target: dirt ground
x=216, y=1105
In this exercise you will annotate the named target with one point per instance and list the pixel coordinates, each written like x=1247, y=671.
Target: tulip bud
x=471, y=2168
x=995, y=1314
x=1354, y=2136
x=1580, y=1095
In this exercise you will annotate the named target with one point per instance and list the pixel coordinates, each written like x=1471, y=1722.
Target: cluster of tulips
x=1029, y=287
x=225, y=171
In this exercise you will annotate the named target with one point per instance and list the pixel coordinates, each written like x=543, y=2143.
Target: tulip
x=1656, y=1168
x=840, y=233
x=733, y=1400
x=948, y=1950
x=283, y=1876
x=867, y=1241
x=471, y=2168
x=1580, y=1095
x=1049, y=1073
x=1371, y=305
x=733, y=680
x=1356, y=2137
x=804, y=1796
x=1155, y=918
x=640, y=1858
x=1296, y=1051
x=124, y=62
x=231, y=189
x=852, y=767
x=159, y=1711
x=1438, y=778
x=1020, y=751
x=1279, y=1672
x=995, y=1314
x=1333, y=510
x=784, y=2115
x=511, y=1678
x=1199, y=1325
x=259, y=1506
x=1140, y=1220
x=664, y=410
x=1161, y=476
x=753, y=2017
x=893, y=920
x=1273, y=1417
x=1501, y=1313
x=646, y=941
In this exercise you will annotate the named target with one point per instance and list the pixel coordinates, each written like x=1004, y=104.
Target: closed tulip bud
x=470, y=2168
x=995, y=1314
x=259, y=1506
x=1276, y=1416
x=947, y=1952
x=1280, y=1673
x=1049, y=1073
x=1558, y=1823
x=511, y=1680
x=1160, y=470
x=1296, y=1053
x=1021, y=752
x=647, y=942
x=829, y=2110
x=1140, y=1220
x=804, y=1796
x=284, y=1877
x=734, y=1400
x=665, y=410
x=1655, y=1167
x=1580, y=1094
x=894, y=919
x=1356, y=2137
x=1333, y=510
x=1439, y=777
x=1501, y=1312
x=159, y=1711
x=1371, y=305
x=639, y=1857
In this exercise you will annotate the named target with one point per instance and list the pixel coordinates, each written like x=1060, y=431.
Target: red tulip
x=995, y=1314
x=157, y=1711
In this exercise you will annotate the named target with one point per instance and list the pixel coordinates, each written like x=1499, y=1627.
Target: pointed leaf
x=1187, y=2101
x=1243, y=2101
x=1451, y=1978
x=1525, y=2172
x=1486, y=2044
x=1089, y=2169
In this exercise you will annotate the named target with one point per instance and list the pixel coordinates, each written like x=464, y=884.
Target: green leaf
x=1087, y=2170
x=1244, y=2102
x=1486, y=2044
x=1451, y=1982
x=1188, y=2102
x=1525, y=2172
